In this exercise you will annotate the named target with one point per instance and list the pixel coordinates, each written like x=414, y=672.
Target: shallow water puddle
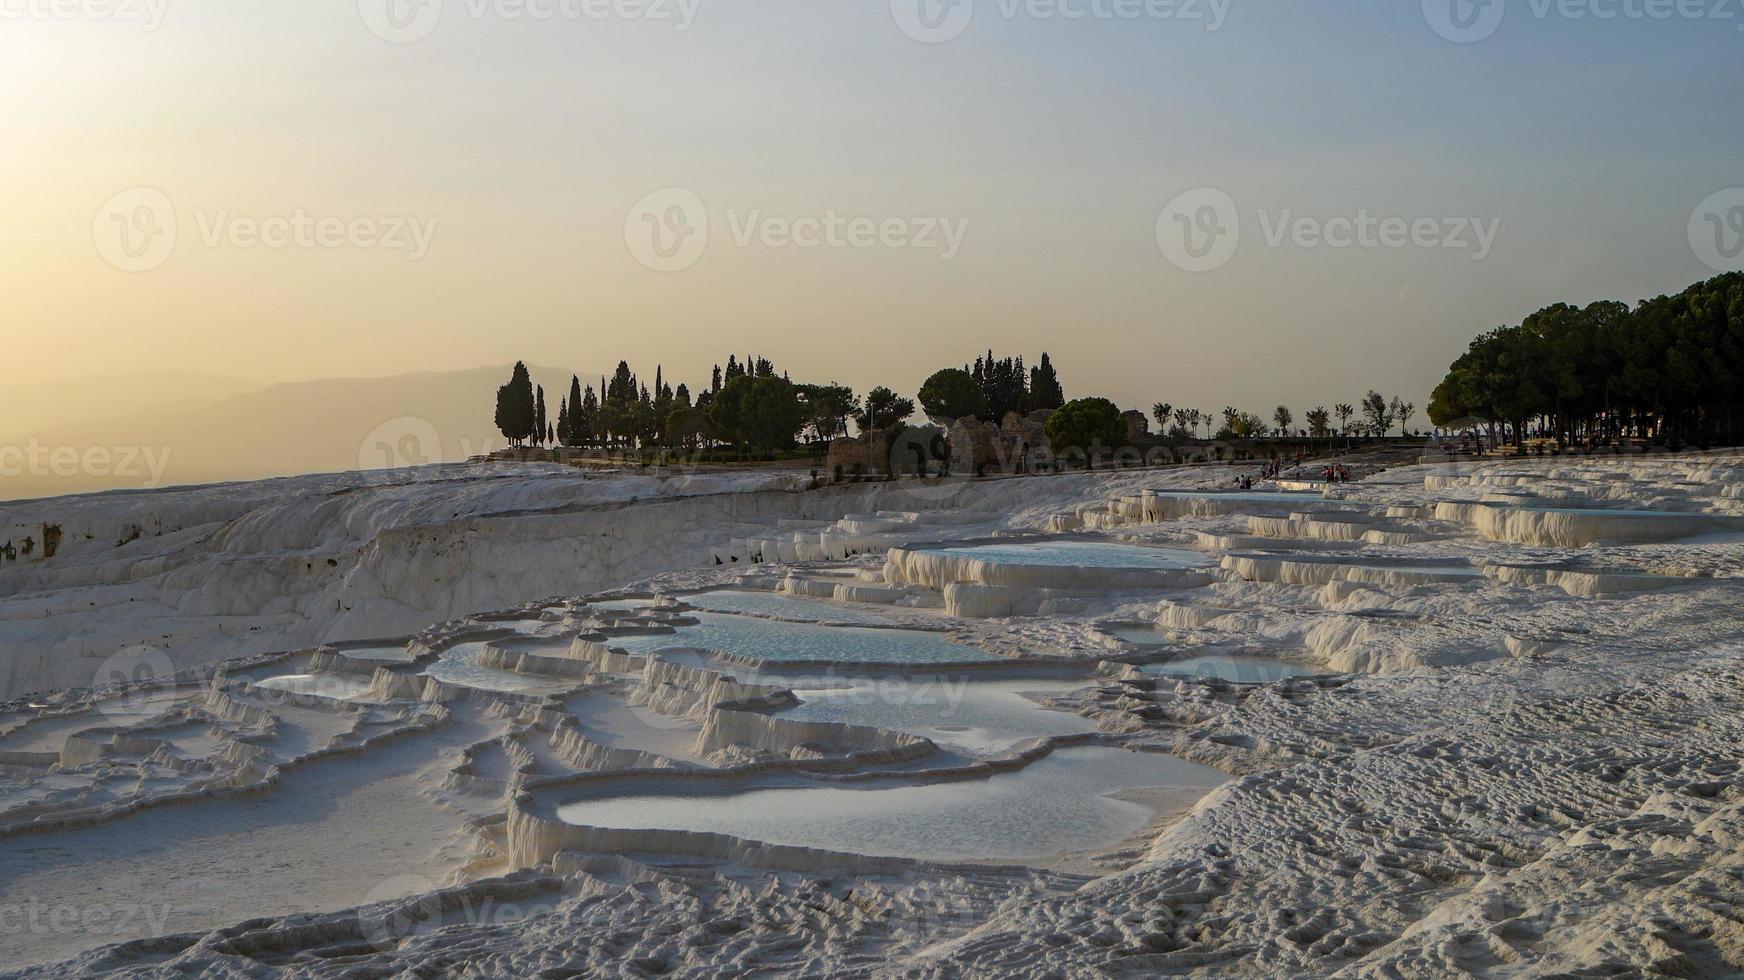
x=1080, y=554
x=342, y=687
x=459, y=665
x=972, y=716
x=778, y=641
x=1144, y=636
x=1075, y=799
x=790, y=607
x=611, y=721
x=617, y=606
x=385, y=654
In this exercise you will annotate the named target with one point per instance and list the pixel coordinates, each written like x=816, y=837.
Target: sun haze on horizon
x=865, y=192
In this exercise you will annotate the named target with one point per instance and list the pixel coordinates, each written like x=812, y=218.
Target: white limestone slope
x=211, y=572
x=1522, y=757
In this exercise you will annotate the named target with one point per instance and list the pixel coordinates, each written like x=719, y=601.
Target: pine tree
x=539, y=424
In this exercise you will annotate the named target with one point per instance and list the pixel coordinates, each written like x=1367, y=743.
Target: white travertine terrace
x=1578, y=528
x=1518, y=752
x=932, y=570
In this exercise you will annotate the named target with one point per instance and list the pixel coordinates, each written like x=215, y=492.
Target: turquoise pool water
x=1142, y=635
x=619, y=605
x=790, y=607
x=385, y=654
x=775, y=641
x=459, y=665
x=960, y=714
x=1082, y=554
x=1237, y=670
x=1062, y=803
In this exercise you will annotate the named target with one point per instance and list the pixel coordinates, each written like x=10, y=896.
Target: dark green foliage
x=828, y=408
x=762, y=413
x=884, y=409
x=1004, y=386
x=1087, y=425
x=571, y=428
x=1044, y=386
x=516, y=411
x=1672, y=368
x=585, y=423
x=952, y=394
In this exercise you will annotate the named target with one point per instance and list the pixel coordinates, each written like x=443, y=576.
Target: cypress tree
x=1044, y=386
x=587, y=427
x=516, y=410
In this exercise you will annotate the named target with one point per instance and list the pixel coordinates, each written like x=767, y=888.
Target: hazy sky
x=520, y=148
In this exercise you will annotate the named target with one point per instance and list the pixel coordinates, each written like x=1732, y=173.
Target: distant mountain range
x=181, y=427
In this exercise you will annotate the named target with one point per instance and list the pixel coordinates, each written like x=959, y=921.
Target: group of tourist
x=1276, y=468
